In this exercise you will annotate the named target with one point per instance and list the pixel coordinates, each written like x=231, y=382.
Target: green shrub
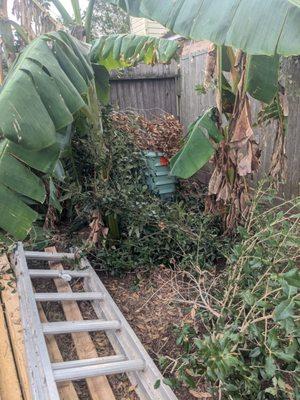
x=143, y=230
x=249, y=314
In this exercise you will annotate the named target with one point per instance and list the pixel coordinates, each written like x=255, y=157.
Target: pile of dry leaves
x=162, y=134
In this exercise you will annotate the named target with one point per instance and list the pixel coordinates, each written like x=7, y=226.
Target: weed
x=250, y=312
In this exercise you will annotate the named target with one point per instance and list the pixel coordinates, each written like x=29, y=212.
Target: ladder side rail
x=34, y=367
x=118, y=345
x=128, y=340
x=41, y=374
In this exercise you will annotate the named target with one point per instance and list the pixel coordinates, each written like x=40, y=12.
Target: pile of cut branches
x=162, y=134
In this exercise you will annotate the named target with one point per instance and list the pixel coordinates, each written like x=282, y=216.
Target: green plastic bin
x=159, y=179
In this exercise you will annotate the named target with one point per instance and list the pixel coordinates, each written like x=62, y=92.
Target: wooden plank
x=9, y=382
x=66, y=391
x=99, y=388
x=10, y=299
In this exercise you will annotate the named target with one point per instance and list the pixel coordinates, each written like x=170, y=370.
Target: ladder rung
x=87, y=362
x=79, y=296
x=72, y=374
x=56, y=328
x=48, y=273
x=44, y=256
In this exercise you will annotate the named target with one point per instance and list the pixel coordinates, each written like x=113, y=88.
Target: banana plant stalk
x=79, y=28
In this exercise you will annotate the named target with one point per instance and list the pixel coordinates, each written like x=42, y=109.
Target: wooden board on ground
x=99, y=387
x=66, y=389
x=10, y=300
x=9, y=382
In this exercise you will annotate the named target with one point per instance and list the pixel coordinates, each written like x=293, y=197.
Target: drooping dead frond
x=210, y=66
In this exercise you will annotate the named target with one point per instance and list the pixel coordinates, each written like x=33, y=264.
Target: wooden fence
x=148, y=90
x=155, y=90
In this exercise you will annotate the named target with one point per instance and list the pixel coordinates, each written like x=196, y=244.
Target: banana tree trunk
x=25, y=14
x=236, y=159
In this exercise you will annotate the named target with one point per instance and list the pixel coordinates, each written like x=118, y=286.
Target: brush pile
x=162, y=134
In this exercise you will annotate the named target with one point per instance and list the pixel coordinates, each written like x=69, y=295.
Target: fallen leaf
x=200, y=395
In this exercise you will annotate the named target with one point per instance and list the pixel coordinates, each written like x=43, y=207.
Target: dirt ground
x=148, y=301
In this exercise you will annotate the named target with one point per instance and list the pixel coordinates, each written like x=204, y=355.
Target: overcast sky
x=66, y=3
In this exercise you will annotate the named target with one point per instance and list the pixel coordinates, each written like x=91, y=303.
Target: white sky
x=67, y=4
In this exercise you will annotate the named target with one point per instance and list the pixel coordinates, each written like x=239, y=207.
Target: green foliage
x=250, y=318
x=32, y=131
x=199, y=148
x=144, y=231
x=108, y=19
x=67, y=19
x=262, y=77
x=200, y=89
x=121, y=51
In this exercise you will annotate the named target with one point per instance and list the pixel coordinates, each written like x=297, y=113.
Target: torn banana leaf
x=121, y=51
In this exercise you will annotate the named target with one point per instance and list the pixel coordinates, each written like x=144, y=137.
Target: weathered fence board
x=148, y=90
x=191, y=74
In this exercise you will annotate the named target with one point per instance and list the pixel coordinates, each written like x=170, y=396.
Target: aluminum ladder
x=130, y=355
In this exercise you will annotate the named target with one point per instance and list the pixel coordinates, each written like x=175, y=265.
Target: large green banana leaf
x=48, y=85
x=198, y=148
x=262, y=77
x=263, y=27
x=37, y=101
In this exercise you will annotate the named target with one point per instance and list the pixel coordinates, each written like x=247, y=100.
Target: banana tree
x=262, y=32
x=30, y=19
x=79, y=26
x=53, y=82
